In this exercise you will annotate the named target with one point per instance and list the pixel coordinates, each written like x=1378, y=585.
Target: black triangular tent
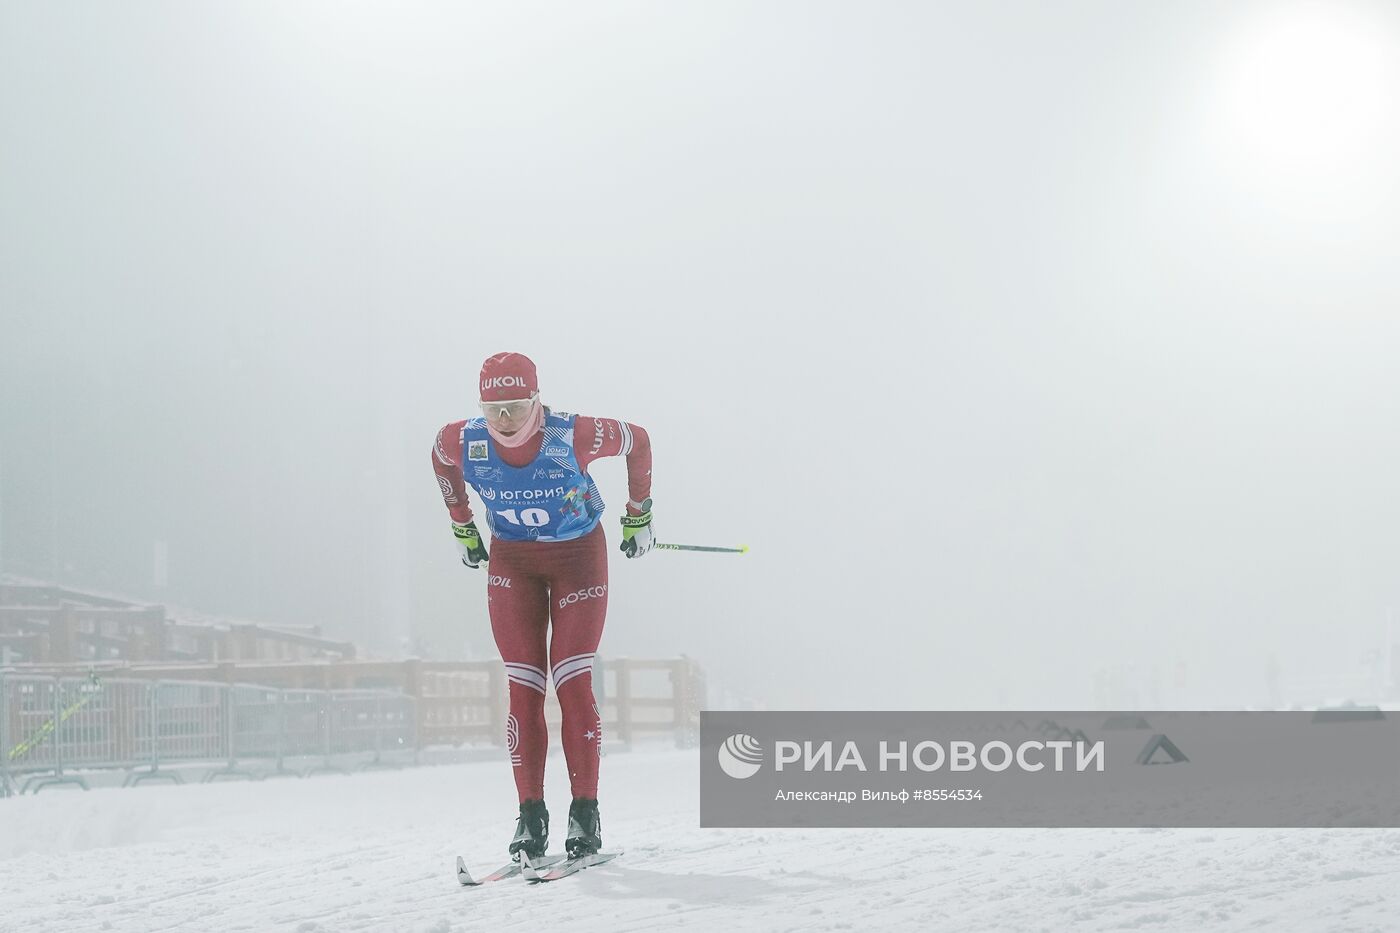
x=1163, y=744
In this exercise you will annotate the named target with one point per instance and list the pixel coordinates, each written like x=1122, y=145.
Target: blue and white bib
x=549, y=499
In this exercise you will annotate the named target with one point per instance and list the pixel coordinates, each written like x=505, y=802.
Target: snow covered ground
x=375, y=851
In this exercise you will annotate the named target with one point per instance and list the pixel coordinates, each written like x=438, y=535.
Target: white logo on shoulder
x=741, y=756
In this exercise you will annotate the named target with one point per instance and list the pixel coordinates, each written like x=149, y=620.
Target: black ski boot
x=531, y=831
x=585, y=829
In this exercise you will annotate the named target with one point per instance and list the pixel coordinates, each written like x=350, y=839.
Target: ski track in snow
x=375, y=851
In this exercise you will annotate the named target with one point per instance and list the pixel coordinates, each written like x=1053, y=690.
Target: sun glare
x=1309, y=93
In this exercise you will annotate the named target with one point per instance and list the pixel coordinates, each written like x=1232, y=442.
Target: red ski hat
x=508, y=376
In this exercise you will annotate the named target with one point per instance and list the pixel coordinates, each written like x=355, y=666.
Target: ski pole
x=741, y=549
x=48, y=728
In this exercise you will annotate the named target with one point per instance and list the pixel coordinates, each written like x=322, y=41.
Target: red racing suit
x=531, y=584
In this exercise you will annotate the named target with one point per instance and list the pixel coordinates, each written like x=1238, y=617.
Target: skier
x=548, y=562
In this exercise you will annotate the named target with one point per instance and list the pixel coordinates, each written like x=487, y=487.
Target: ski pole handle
x=741, y=549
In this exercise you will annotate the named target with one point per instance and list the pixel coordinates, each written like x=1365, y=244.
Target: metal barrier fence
x=458, y=702
x=51, y=727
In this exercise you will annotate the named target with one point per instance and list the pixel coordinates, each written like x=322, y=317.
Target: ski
x=509, y=870
x=567, y=867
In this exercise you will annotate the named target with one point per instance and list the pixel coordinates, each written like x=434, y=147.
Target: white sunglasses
x=508, y=408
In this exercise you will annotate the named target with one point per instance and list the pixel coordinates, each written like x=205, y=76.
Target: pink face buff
x=532, y=424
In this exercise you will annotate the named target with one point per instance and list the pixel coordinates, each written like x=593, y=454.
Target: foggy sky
x=1022, y=343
